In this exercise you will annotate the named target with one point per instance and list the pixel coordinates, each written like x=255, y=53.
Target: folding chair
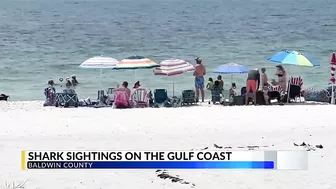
x=60, y=100
x=188, y=97
x=275, y=92
x=140, y=98
x=161, y=98
x=294, y=89
x=101, y=98
x=110, y=96
x=71, y=100
x=216, y=95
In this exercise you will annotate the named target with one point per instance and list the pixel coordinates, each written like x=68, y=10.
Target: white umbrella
x=101, y=63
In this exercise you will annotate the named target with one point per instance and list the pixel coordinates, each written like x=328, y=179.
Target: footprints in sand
x=164, y=174
x=309, y=147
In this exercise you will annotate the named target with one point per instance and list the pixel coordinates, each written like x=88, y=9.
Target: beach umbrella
x=332, y=79
x=231, y=68
x=136, y=62
x=172, y=67
x=292, y=58
x=99, y=62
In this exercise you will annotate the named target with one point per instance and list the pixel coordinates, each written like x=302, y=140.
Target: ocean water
x=42, y=39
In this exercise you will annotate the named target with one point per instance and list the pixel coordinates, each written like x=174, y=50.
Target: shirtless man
x=199, y=78
x=251, y=84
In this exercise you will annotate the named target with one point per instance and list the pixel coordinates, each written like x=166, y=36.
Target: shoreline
x=30, y=126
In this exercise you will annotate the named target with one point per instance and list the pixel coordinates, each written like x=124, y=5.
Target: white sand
x=27, y=125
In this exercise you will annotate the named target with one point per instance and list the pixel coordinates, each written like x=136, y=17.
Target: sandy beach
x=29, y=126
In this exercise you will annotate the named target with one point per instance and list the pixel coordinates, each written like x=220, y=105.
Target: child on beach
x=209, y=84
x=232, y=91
x=265, y=93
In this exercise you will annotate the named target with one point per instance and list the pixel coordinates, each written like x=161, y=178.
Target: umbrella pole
x=231, y=79
x=173, y=88
x=288, y=94
x=332, y=94
x=101, y=73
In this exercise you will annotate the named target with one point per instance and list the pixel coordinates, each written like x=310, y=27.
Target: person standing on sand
x=199, y=78
x=264, y=79
x=251, y=84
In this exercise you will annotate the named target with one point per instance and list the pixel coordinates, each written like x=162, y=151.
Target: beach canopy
x=293, y=58
x=231, y=68
x=136, y=62
x=172, y=67
x=100, y=62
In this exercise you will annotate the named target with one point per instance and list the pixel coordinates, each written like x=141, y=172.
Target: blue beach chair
x=161, y=98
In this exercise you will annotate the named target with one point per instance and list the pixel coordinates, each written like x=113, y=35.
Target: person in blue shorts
x=199, y=78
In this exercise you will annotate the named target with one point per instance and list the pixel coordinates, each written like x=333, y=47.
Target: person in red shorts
x=252, y=83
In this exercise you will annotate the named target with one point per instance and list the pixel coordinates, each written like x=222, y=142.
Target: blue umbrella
x=293, y=58
x=231, y=68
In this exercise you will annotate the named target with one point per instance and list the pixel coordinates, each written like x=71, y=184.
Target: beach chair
x=140, y=98
x=71, y=100
x=250, y=95
x=216, y=95
x=275, y=92
x=161, y=98
x=101, y=97
x=188, y=97
x=110, y=96
x=66, y=100
x=294, y=89
x=121, y=100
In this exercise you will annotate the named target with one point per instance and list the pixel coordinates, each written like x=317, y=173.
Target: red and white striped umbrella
x=333, y=68
x=172, y=67
x=332, y=79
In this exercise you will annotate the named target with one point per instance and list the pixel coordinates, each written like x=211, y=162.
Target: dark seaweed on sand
x=163, y=174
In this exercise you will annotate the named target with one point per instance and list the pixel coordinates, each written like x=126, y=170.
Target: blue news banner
x=150, y=165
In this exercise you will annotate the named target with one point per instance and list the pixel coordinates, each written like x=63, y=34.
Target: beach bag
x=120, y=99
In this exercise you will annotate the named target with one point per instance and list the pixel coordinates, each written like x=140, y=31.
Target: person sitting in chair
x=68, y=89
x=122, y=96
x=50, y=93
